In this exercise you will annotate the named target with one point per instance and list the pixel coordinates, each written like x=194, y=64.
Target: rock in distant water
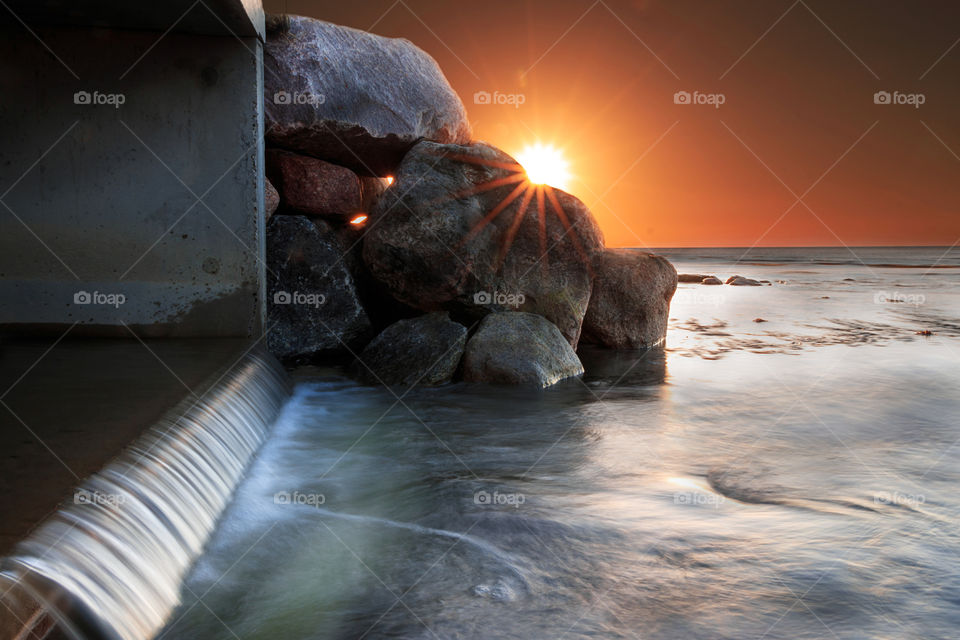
x=271, y=199
x=314, y=187
x=519, y=348
x=435, y=242
x=697, y=278
x=424, y=350
x=352, y=97
x=712, y=280
x=312, y=305
x=631, y=299
x=740, y=281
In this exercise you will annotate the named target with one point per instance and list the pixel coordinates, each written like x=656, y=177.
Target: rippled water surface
x=794, y=478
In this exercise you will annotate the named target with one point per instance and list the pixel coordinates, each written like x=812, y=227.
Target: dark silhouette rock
x=352, y=97
x=441, y=238
x=312, y=304
x=314, y=187
x=424, y=350
x=631, y=297
x=519, y=348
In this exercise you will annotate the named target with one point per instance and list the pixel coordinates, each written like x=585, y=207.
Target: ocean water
x=793, y=478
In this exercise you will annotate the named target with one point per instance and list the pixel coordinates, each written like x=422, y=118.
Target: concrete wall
x=131, y=181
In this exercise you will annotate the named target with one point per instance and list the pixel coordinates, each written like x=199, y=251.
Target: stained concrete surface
x=131, y=182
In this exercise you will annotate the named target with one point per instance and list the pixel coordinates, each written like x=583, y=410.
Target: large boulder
x=443, y=237
x=424, y=350
x=519, y=348
x=631, y=299
x=354, y=98
x=312, y=304
x=314, y=187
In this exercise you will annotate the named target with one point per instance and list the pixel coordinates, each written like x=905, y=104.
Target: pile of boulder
x=396, y=240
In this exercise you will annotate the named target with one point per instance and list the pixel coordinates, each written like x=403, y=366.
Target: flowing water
x=794, y=478
x=111, y=563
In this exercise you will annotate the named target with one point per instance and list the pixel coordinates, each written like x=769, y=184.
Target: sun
x=545, y=164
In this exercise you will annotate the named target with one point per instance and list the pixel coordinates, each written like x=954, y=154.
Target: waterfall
x=109, y=564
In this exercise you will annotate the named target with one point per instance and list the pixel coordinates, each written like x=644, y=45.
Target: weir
x=110, y=563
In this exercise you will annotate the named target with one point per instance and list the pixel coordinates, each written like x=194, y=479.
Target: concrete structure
x=131, y=170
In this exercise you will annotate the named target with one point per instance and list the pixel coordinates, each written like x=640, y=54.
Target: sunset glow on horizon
x=674, y=144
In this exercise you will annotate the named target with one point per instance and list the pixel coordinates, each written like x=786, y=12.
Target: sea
x=786, y=466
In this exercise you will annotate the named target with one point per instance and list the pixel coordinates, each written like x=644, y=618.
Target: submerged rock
x=696, y=278
x=314, y=187
x=441, y=238
x=631, y=297
x=352, y=97
x=424, y=350
x=740, y=281
x=519, y=348
x=312, y=304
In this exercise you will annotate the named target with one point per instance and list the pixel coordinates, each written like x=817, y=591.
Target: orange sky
x=598, y=78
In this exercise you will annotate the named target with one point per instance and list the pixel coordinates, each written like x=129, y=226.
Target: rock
x=314, y=187
x=519, y=348
x=740, y=281
x=696, y=278
x=372, y=189
x=711, y=280
x=312, y=304
x=424, y=350
x=631, y=299
x=271, y=199
x=759, y=320
x=352, y=97
x=439, y=239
